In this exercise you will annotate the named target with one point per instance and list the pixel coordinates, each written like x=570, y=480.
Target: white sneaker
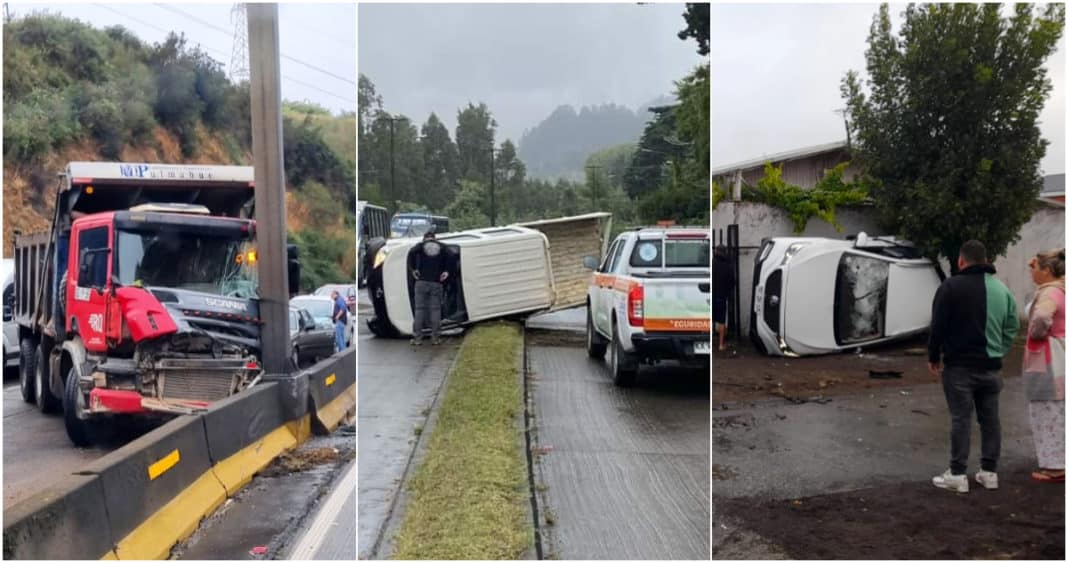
x=949, y=481
x=988, y=479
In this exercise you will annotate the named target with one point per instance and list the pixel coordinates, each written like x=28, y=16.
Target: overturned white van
x=820, y=295
x=498, y=272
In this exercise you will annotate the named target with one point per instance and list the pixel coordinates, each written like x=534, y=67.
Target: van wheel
x=595, y=343
x=74, y=416
x=28, y=369
x=47, y=402
x=622, y=366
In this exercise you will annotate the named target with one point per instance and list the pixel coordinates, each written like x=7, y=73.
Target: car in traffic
x=11, y=328
x=415, y=225
x=348, y=291
x=372, y=221
x=321, y=308
x=649, y=300
x=495, y=272
x=821, y=295
x=309, y=341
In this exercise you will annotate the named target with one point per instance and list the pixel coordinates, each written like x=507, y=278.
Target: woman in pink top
x=1043, y=367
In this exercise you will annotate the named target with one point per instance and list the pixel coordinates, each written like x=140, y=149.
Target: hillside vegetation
x=74, y=92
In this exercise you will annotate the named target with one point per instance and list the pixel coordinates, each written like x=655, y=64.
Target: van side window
x=94, y=239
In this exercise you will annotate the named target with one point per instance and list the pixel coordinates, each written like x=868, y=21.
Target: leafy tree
x=475, y=133
x=696, y=16
x=470, y=208
x=948, y=122
x=440, y=164
x=646, y=170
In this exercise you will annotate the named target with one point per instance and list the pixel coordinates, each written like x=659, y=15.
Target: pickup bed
x=649, y=300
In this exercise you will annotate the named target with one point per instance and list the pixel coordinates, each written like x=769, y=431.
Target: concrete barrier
x=140, y=500
x=332, y=390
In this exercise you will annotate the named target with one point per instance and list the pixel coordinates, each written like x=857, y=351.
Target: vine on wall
x=801, y=204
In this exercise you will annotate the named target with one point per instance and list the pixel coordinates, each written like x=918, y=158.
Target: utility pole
x=493, y=175
x=392, y=163
x=239, y=52
x=267, y=157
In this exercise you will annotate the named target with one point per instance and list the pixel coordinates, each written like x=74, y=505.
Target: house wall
x=804, y=172
x=1045, y=231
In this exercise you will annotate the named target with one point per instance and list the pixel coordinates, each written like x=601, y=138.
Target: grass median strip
x=468, y=498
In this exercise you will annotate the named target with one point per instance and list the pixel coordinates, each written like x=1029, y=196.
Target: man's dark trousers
x=428, y=296
x=968, y=389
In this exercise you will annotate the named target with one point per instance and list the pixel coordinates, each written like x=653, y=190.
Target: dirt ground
x=751, y=376
x=1021, y=520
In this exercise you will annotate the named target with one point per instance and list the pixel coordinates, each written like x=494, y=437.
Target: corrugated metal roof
x=779, y=157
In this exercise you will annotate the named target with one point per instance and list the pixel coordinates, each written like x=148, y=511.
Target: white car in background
x=321, y=308
x=819, y=295
x=11, y=329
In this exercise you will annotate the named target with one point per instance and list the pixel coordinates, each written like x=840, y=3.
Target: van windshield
x=860, y=298
x=187, y=260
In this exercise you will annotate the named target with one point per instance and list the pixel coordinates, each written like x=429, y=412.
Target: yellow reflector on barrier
x=330, y=379
x=163, y=465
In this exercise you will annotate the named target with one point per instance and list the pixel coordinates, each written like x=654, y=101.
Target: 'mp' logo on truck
x=133, y=170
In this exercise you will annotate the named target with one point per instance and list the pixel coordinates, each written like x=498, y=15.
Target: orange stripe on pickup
x=604, y=280
x=676, y=325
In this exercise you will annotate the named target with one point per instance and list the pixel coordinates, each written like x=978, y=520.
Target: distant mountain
x=558, y=146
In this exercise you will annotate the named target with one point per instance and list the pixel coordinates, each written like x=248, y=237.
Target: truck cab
x=142, y=297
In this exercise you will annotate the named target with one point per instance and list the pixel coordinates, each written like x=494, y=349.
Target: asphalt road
x=623, y=473
x=37, y=451
x=397, y=386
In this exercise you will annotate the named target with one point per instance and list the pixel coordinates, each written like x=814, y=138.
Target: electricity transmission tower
x=239, y=54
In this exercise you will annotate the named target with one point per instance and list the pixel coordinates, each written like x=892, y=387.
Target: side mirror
x=293, y=265
x=590, y=262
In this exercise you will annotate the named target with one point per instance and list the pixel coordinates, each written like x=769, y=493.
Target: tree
x=948, y=125
x=696, y=16
x=646, y=170
x=440, y=163
x=475, y=131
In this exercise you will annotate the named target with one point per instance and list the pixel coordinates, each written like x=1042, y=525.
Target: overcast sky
x=776, y=71
x=522, y=60
x=320, y=35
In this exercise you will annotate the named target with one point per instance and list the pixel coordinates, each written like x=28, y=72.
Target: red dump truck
x=142, y=297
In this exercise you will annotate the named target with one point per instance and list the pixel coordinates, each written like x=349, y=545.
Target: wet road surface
x=397, y=386
x=37, y=451
x=624, y=473
x=780, y=450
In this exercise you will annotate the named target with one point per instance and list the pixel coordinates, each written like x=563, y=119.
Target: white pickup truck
x=650, y=300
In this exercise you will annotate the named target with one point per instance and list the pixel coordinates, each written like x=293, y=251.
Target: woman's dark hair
x=1053, y=261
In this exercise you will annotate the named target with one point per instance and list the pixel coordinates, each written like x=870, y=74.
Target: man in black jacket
x=973, y=322
x=428, y=265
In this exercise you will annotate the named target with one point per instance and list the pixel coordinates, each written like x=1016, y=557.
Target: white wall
x=1045, y=231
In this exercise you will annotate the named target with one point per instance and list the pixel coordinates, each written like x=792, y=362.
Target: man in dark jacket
x=973, y=322
x=428, y=265
x=723, y=281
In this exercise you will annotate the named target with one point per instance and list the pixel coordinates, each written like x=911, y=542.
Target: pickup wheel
x=595, y=343
x=47, y=402
x=79, y=427
x=28, y=369
x=624, y=371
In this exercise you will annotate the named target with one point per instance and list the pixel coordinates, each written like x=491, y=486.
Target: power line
x=221, y=53
x=230, y=34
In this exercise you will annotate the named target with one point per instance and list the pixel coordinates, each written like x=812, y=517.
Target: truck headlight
x=380, y=257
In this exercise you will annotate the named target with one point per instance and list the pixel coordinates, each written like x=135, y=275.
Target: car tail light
x=636, y=306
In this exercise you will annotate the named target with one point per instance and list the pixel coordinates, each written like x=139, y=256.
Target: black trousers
x=969, y=390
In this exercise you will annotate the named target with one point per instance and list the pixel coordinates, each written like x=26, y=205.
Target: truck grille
x=199, y=380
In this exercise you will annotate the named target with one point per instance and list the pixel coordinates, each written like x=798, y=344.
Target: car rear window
x=671, y=254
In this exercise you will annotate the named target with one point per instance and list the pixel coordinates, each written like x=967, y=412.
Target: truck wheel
x=47, y=402
x=27, y=369
x=74, y=415
x=595, y=343
x=620, y=363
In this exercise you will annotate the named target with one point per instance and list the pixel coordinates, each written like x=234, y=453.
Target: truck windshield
x=187, y=260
